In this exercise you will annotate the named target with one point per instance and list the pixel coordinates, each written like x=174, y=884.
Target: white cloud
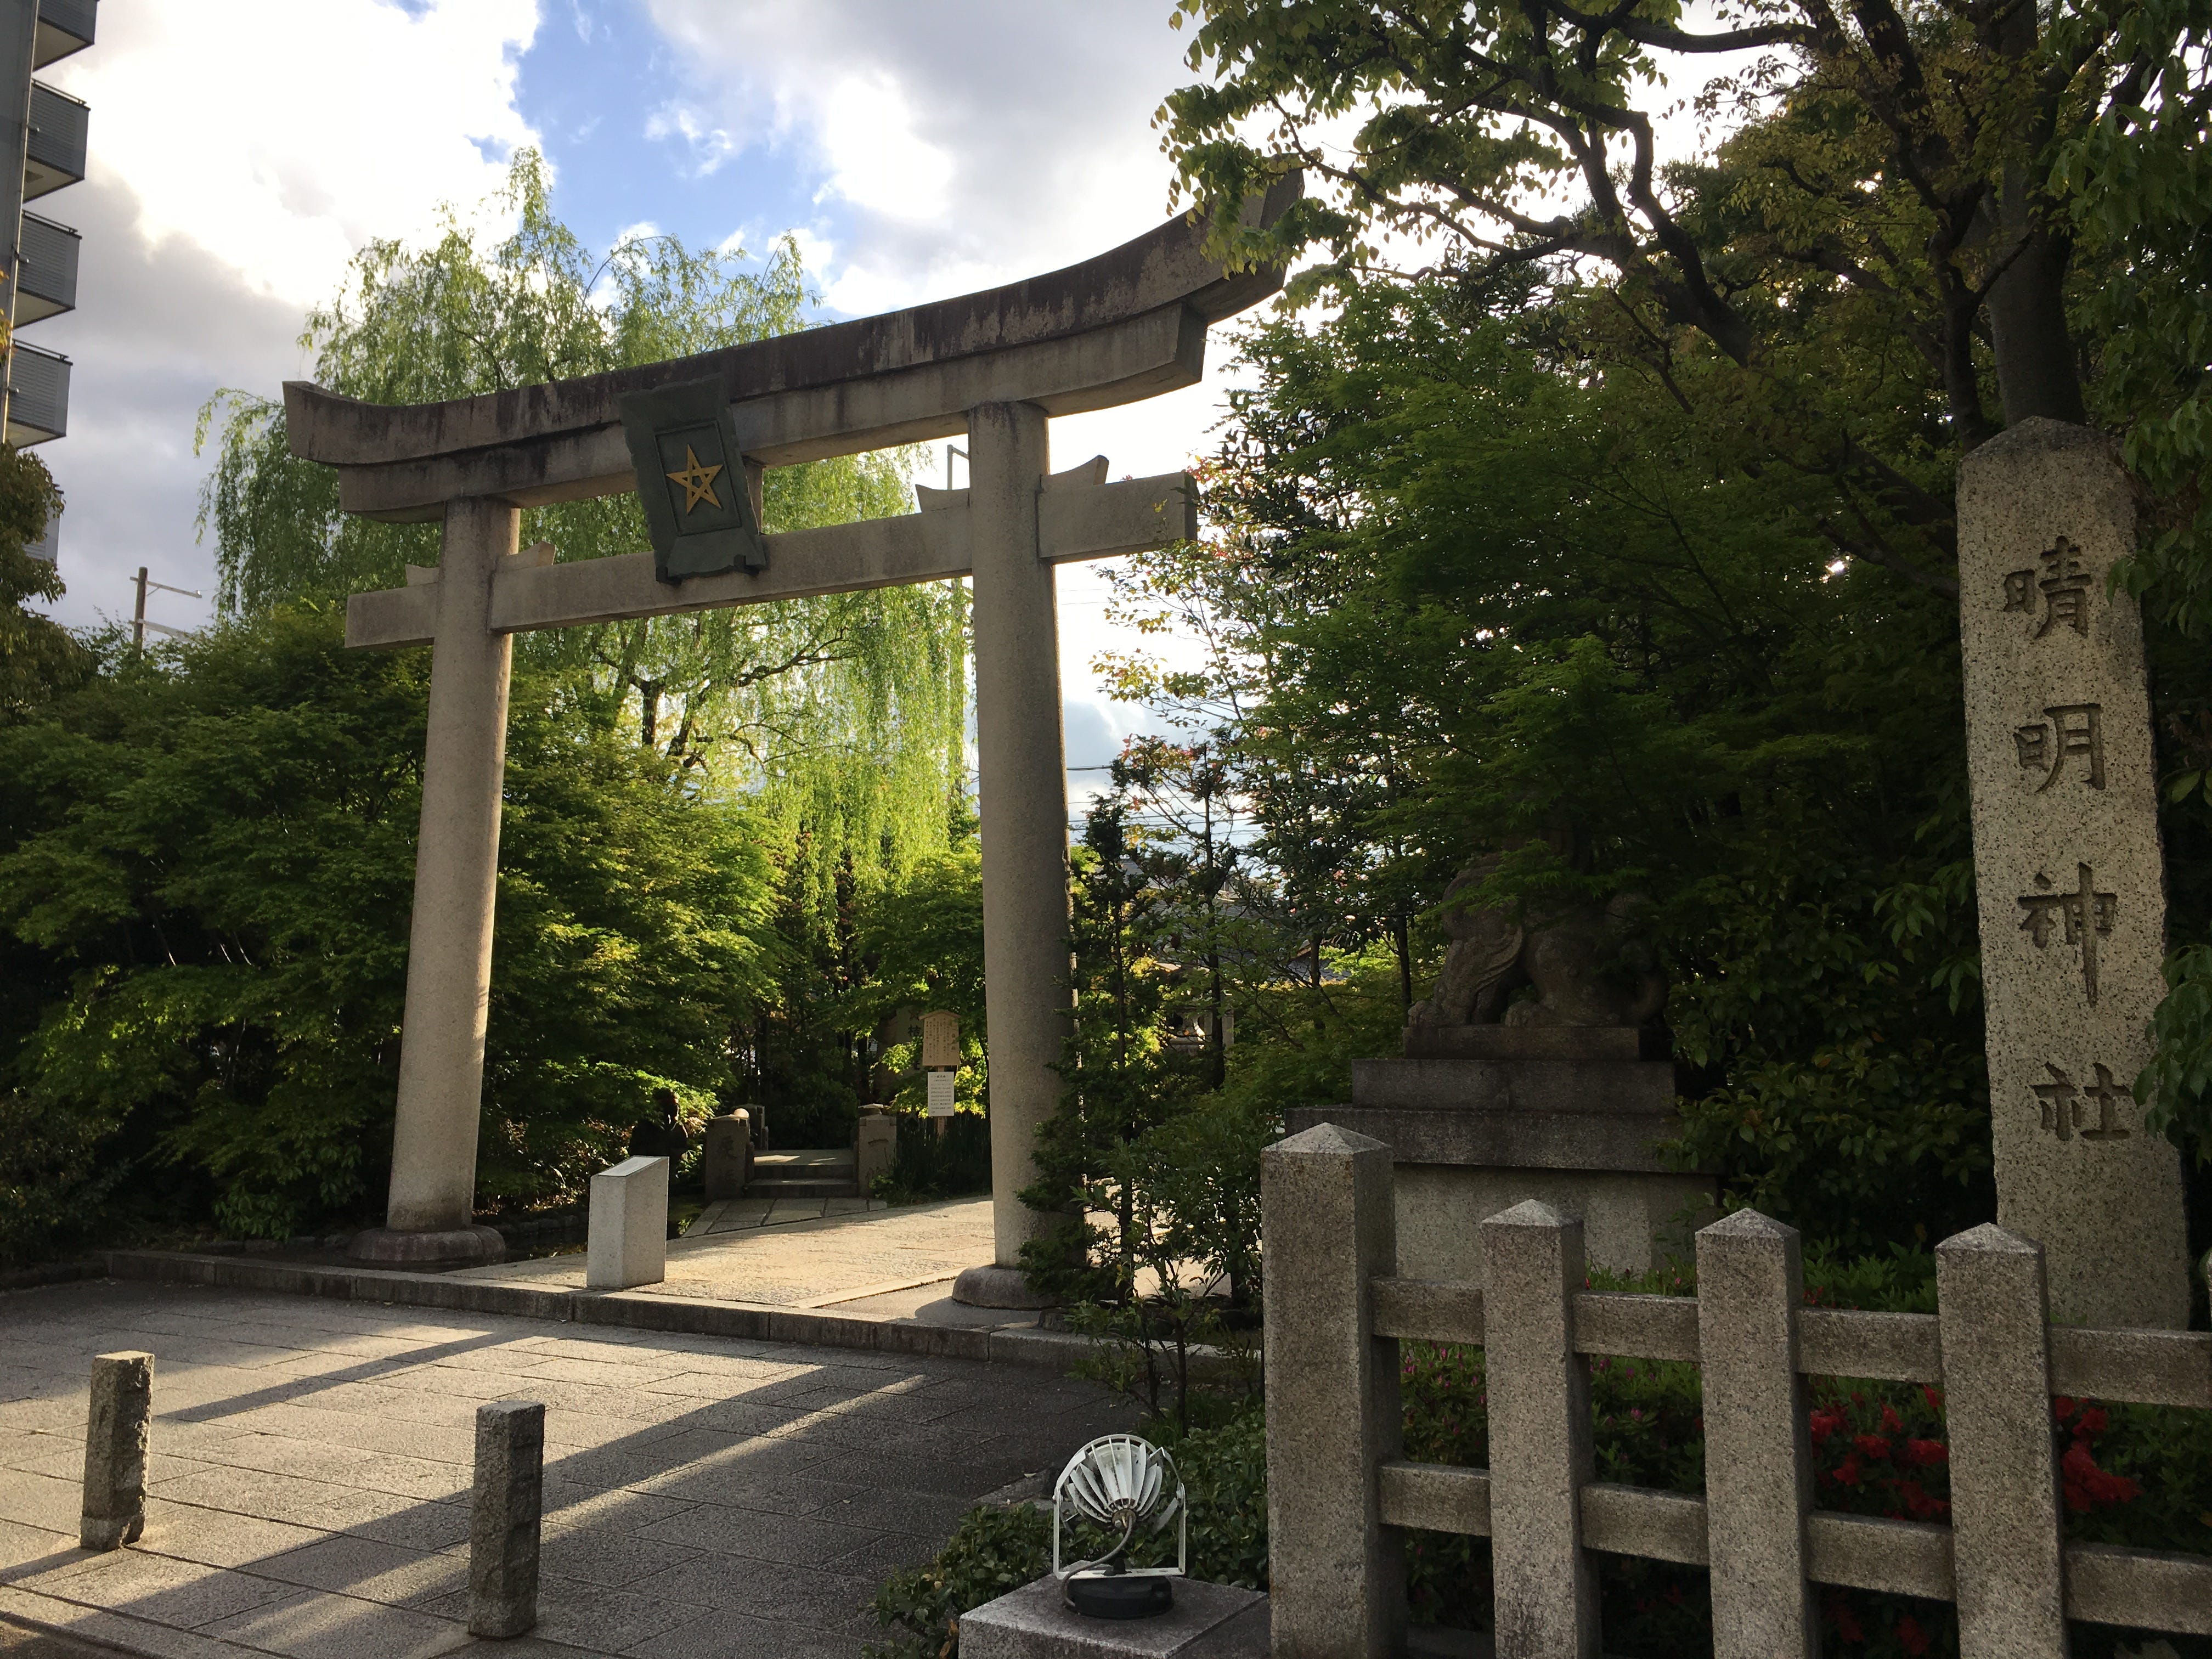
x=877, y=159
x=239, y=157
x=710, y=145
x=968, y=145
x=956, y=147
x=286, y=180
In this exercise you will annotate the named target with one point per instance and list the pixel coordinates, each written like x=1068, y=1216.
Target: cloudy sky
x=241, y=153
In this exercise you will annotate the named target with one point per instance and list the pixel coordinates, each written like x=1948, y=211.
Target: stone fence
x=1340, y=1494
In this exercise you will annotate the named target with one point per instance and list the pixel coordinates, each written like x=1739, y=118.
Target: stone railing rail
x=1339, y=1493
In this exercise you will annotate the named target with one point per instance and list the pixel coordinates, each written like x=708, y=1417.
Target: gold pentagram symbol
x=698, y=481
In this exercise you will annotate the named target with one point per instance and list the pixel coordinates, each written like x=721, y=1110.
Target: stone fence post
x=1337, y=1573
x=1540, y=1450
x=1758, y=1454
x=2007, y=1524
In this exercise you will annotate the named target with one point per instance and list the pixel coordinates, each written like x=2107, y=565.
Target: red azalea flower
x=2087, y=1486
x=1824, y=1424
x=1850, y=1472
x=1921, y=1454
x=1933, y=1397
x=2063, y=1404
x=2090, y=1422
x=1847, y=1624
x=1910, y=1636
x=1873, y=1445
x=1923, y=1507
x=1891, y=1422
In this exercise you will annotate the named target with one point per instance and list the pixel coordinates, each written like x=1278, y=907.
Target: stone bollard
x=628, y=1240
x=115, y=1450
x=503, y=1518
x=875, y=1146
x=726, y=1160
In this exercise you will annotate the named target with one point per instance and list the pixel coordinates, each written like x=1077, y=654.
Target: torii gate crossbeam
x=1128, y=324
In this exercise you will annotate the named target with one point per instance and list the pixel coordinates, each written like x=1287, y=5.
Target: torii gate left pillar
x=430, y=1213
x=996, y=365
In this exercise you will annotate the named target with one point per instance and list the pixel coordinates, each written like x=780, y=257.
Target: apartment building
x=49, y=130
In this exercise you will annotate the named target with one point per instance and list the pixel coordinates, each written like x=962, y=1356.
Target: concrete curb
x=53, y=1272
x=1042, y=1350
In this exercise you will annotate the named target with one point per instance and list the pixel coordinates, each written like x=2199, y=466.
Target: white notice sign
x=940, y=1094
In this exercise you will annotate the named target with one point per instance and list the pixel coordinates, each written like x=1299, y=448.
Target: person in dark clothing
x=662, y=1136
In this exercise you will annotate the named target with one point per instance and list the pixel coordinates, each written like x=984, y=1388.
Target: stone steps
x=822, y=1172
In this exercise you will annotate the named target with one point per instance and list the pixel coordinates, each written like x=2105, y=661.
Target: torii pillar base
x=429, y=1253
x=994, y=1286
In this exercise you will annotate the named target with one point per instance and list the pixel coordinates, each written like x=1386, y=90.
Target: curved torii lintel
x=874, y=381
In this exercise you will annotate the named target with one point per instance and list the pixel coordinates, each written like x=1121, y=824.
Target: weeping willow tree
x=841, y=719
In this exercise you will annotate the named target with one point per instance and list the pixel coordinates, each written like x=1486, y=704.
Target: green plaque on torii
x=691, y=481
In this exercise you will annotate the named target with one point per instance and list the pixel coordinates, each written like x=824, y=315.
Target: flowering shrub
x=2135, y=1475
x=2131, y=1474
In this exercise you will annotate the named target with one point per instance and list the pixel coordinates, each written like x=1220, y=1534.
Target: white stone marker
x=2069, y=870
x=628, y=1240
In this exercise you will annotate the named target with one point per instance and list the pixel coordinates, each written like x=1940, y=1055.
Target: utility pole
x=138, y=623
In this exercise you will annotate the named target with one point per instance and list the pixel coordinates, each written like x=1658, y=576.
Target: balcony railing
x=48, y=547
x=64, y=26
x=46, y=284
x=38, y=395
x=56, y=146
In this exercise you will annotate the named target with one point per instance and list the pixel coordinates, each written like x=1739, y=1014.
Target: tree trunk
x=2036, y=372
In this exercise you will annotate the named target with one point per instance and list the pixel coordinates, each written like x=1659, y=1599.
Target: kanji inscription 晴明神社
x=2068, y=869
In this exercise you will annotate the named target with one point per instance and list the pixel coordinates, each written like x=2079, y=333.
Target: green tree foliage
x=1120, y=1077
x=1466, y=593
x=37, y=656
x=838, y=720
x=1921, y=221
x=844, y=714
x=211, y=851
x=1924, y=205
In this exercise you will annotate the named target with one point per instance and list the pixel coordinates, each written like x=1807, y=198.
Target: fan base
x=1120, y=1596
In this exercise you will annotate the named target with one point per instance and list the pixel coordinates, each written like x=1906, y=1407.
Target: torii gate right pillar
x=1023, y=805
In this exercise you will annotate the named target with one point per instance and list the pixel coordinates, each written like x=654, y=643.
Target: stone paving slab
x=845, y=1250
x=731, y=1215
x=307, y=1490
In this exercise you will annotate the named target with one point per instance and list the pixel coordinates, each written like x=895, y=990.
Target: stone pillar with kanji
x=2069, y=870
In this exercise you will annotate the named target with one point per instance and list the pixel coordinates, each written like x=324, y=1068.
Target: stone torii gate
x=1128, y=324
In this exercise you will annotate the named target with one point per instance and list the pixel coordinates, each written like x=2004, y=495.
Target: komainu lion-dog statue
x=1584, y=968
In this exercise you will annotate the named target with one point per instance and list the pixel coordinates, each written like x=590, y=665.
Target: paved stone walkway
x=733, y=1215
x=309, y=1477
x=851, y=1256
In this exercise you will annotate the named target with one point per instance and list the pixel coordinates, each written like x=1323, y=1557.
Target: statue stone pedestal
x=1482, y=1117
